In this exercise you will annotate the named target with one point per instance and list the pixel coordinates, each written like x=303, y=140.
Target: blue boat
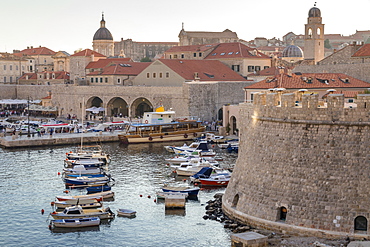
x=96, y=189
x=205, y=172
x=192, y=192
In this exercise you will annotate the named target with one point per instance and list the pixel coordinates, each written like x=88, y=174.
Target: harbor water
x=29, y=182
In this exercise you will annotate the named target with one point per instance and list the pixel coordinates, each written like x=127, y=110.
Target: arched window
x=309, y=33
x=360, y=223
x=282, y=214
x=318, y=32
x=235, y=201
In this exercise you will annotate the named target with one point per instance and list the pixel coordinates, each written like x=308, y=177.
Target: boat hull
x=74, y=223
x=211, y=182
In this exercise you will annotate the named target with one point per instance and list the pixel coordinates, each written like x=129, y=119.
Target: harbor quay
x=22, y=141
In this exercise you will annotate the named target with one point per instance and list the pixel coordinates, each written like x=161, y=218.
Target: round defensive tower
x=303, y=168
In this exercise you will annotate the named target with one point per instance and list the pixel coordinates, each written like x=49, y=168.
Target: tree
x=145, y=59
x=327, y=44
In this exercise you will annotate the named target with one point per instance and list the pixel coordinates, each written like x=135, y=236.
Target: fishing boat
x=221, y=180
x=79, y=212
x=81, y=170
x=96, y=152
x=98, y=196
x=161, y=126
x=163, y=195
x=85, y=180
x=84, y=203
x=96, y=189
x=126, y=212
x=191, y=192
x=90, y=163
x=207, y=172
x=77, y=222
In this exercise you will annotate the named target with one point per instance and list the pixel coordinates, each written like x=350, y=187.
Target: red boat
x=215, y=180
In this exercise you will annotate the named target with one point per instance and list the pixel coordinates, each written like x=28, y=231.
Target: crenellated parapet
x=295, y=106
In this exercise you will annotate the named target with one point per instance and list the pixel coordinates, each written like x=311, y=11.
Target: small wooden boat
x=192, y=192
x=85, y=180
x=221, y=180
x=163, y=195
x=98, y=196
x=81, y=170
x=77, y=222
x=79, y=212
x=84, y=203
x=96, y=189
x=126, y=212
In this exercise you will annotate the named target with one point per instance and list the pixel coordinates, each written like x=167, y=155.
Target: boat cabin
x=158, y=117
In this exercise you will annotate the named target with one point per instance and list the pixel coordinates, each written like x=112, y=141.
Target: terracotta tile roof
x=208, y=70
x=235, y=50
x=36, y=51
x=31, y=76
x=364, y=51
x=126, y=68
x=87, y=53
x=310, y=80
x=191, y=48
x=104, y=62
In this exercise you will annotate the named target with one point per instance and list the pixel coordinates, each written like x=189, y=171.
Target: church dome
x=292, y=51
x=314, y=12
x=102, y=33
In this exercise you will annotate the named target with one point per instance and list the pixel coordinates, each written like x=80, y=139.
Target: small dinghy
x=126, y=212
x=76, y=222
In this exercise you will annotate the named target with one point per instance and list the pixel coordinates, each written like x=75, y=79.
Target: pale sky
x=68, y=25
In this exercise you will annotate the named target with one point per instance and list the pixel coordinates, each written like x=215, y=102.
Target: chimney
x=196, y=76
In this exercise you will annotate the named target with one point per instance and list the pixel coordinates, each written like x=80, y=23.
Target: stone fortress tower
x=314, y=36
x=103, y=40
x=303, y=169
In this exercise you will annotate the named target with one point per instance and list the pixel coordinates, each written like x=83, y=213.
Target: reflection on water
x=29, y=181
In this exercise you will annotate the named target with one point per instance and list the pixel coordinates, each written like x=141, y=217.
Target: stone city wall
x=312, y=161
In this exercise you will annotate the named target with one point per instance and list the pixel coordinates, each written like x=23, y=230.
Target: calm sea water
x=29, y=181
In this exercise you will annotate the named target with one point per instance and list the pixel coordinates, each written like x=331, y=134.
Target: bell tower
x=314, y=36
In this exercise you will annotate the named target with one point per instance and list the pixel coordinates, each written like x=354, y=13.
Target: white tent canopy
x=95, y=109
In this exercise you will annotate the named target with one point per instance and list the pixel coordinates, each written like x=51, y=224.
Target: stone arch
x=235, y=201
x=233, y=127
x=117, y=106
x=139, y=106
x=94, y=101
x=361, y=223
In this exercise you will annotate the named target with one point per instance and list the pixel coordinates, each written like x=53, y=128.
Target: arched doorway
x=361, y=223
x=220, y=114
x=235, y=201
x=233, y=128
x=97, y=114
x=139, y=106
x=94, y=101
x=117, y=107
x=282, y=214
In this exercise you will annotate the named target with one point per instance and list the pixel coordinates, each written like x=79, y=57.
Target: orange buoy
x=149, y=196
x=42, y=211
x=155, y=200
x=184, y=179
x=66, y=191
x=141, y=195
x=52, y=203
x=195, y=184
x=58, y=173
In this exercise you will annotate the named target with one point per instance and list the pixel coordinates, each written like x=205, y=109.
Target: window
x=106, y=79
x=154, y=75
x=4, y=79
x=147, y=75
x=236, y=68
x=92, y=80
x=4, y=67
x=257, y=68
x=223, y=53
x=11, y=67
x=200, y=54
x=236, y=53
x=266, y=67
x=96, y=79
x=160, y=75
x=360, y=223
x=250, y=68
x=16, y=67
x=118, y=80
x=283, y=213
x=230, y=53
x=195, y=54
x=235, y=201
x=167, y=74
x=174, y=56
x=101, y=79
x=214, y=54
x=11, y=79
x=170, y=56
x=182, y=55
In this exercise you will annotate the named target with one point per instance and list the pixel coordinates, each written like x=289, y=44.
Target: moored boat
x=79, y=212
x=98, y=196
x=161, y=126
x=77, y=222
x=191, y=192
x=126, y=212
x=215, y=180
x=84, y=203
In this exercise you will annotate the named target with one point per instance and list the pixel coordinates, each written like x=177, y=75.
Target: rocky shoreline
x=214, y=212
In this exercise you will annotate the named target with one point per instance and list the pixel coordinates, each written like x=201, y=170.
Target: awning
x=95, y=109
x=42, y=108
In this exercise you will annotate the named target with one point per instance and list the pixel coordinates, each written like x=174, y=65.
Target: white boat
x=84, y=203
x=79, y=212
x=77, y=222
x=81, y=170
x=163, y=195
x=190, y=170
x=89, y=154
x=195, y=162
x=126, y=212
x=186, y=158
x=199, y=148
x=87, y=163
x=98, y=196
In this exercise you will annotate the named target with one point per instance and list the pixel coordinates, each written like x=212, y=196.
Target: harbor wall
x=303, y=169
